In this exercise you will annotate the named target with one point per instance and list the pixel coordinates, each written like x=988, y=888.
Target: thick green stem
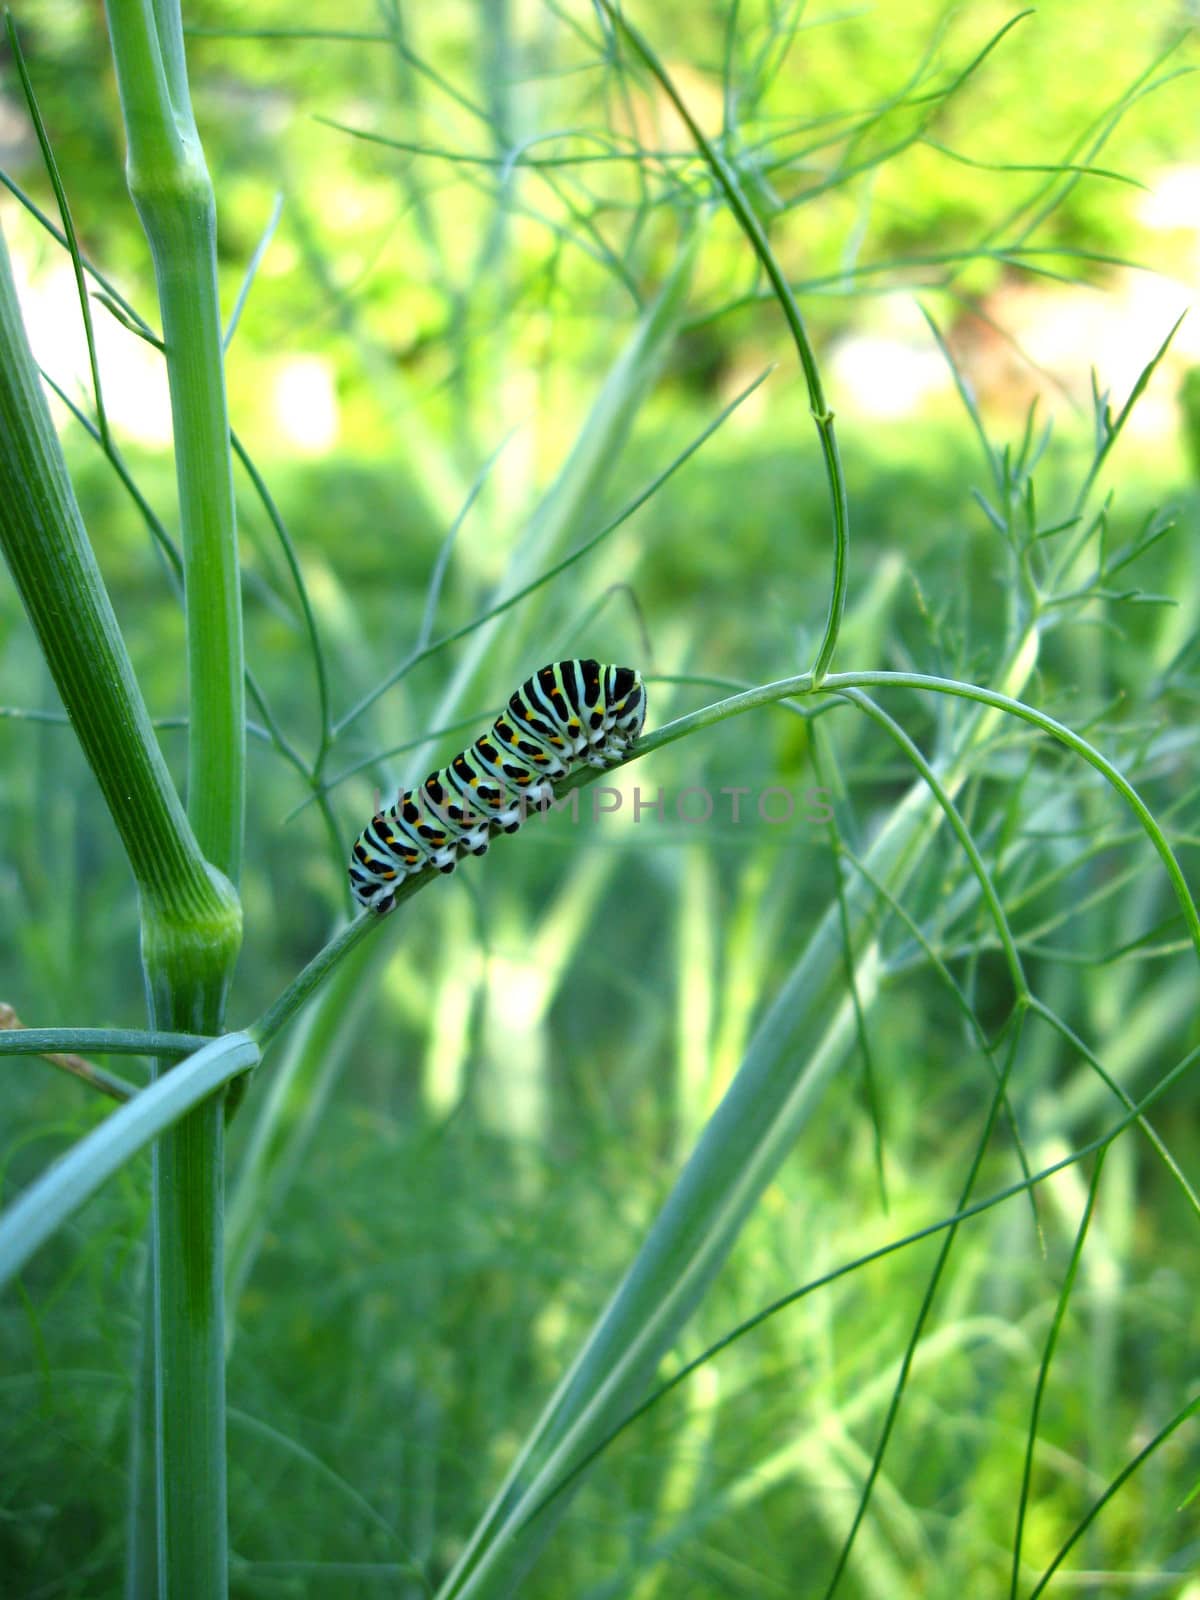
x=191, y=930
x=171, y=189
x=188, y=1223
x=170, y=186
x=55, y=571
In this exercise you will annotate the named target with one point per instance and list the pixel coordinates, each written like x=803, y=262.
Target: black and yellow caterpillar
x=569, y=714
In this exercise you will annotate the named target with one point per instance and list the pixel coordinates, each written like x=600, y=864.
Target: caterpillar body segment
x=567, y=715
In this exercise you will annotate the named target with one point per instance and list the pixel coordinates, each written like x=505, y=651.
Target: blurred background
x=486, y=300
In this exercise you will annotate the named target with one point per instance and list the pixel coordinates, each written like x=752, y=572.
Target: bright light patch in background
x=889, y=368
x=883, y=377
x=132, y=374
x=1173, y=202
x=305, y=404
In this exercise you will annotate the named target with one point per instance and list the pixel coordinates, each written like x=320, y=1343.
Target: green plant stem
x=291, y=1113
x=108, y=1041
x=56, y=575
x=170, y=186
x=302, y=987
x=1097, y=1146
x=64, y=212
x=59, y=1047
x=189, y=1191
x=1122, y=1477
x=822, y=416
x=190, y=923
x=1043, y=1376
x=768, y=693
x=141, y=1508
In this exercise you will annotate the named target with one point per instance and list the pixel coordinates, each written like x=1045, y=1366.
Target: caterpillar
x=568, y=714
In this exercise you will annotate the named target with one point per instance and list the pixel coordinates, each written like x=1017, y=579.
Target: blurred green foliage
x=545, y=1036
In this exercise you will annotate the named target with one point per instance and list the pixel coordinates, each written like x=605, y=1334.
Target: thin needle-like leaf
x=821, y=414
x=260, y=251
x=1043, y=1376
x=1164, y=1433
x=139, y=324
x=926, y=1306
x=553, y=571
x=293, y=564
x=64, y=211
x=882, y=1252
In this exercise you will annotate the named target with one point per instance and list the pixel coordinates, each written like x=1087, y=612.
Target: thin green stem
x=290, y=1114
x=1039, y=1008
x=803, y=684
x=918, y=1236
x=554, y=570
x=821, y=414
x=1122, y=1477
x=1066, y=736
x=914, y=1339
x=962, y=832
x=107, y=1041
x=1112, y=430
x=837, y=848
x=64, y=212
x=112, y=296
x=255, y=262
x=1043, y=1376
x=986, y=1047
x=165, y=544
x=302, y=987
x=293, y=564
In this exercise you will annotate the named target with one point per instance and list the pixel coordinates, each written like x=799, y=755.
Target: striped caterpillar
x=570, y=714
